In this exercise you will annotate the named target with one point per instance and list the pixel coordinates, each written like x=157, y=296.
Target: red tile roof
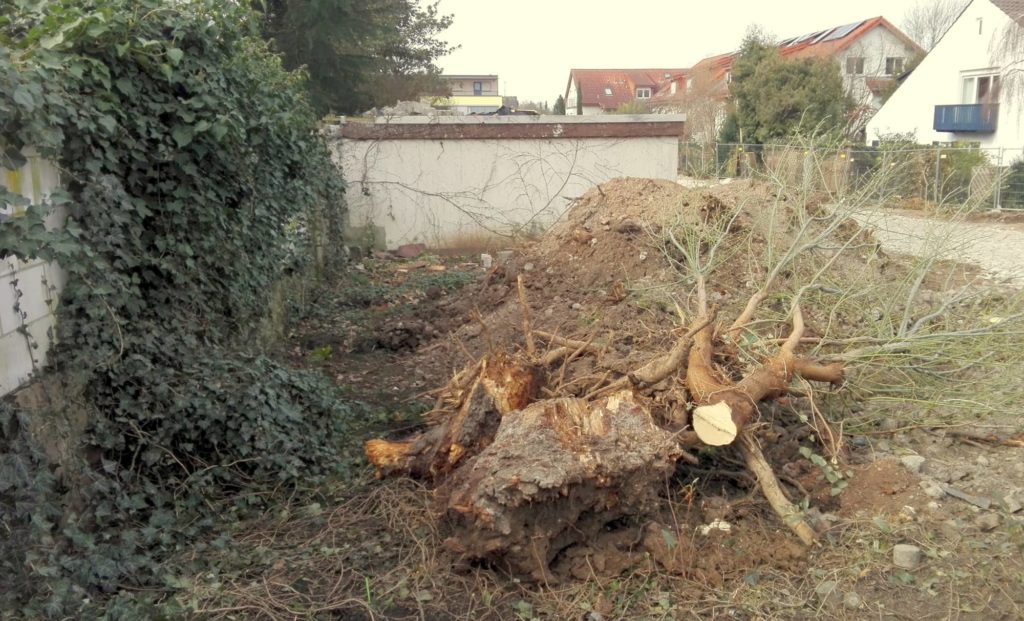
x=822, y=44
x=827, y=43
x=594, y=85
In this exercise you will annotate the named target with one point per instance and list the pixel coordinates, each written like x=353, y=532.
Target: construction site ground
x=395, y=329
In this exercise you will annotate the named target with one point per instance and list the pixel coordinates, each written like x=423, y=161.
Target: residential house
x=870, y=53
x=470, y=94
x=601, y=91
x=957, y=93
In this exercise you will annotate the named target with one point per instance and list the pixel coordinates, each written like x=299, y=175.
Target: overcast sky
x=532, y=44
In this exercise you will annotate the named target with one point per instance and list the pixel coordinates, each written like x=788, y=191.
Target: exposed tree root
x=523, y=477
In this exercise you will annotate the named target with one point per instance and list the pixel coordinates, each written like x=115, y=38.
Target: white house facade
x=955, y=95
x=876, y=57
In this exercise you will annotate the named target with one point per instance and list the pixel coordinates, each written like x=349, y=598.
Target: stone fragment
x=828, y=593
x=852, y=601
x=409, y=251
x=913, y=463
x=1011, y=503
x=988, y=521
x=906, y=556
x=932, y=489
x=628, y=226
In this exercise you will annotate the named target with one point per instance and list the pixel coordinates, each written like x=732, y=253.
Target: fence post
x=938, y=158
x=996, y=196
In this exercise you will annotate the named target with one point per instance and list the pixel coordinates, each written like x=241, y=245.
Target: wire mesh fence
x=991, y=178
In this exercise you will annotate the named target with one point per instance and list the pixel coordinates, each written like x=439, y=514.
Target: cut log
x=505, y=384
x=556, y=474
x=769, y=380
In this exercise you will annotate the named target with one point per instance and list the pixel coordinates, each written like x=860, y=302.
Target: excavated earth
x=608, y=275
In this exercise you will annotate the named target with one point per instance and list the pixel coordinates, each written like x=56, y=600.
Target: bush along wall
x=194, y=177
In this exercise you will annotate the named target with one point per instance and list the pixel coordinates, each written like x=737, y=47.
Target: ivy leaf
x=218, y=130
x=23, y=97
x=48, y=43
x=166, y=70
x=108, y=123
x=175, y=55
x=182, y=135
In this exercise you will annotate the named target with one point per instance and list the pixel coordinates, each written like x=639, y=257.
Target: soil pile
x=612, y=327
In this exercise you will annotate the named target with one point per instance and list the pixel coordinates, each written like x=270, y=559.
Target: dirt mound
x=703, y=321
x=609, y=270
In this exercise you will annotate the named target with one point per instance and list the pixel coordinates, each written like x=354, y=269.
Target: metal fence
x=900, y=173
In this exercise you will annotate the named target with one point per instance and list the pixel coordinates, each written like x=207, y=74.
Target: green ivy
x=195, y=178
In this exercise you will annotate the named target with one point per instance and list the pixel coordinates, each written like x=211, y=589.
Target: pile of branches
x=526, y=467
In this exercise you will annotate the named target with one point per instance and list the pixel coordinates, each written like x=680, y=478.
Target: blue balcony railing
x=980, y=118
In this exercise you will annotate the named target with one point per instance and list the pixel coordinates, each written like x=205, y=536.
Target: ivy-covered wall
x=194, y=179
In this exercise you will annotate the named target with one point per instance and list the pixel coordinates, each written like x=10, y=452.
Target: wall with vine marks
x=29, y=289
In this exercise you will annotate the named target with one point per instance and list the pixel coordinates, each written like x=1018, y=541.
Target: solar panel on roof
x=842, y=31
x=820, y=37
x=808, y=36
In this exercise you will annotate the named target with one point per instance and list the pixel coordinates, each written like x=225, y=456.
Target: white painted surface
x=938, y=80
x=874, y=47
x=438, y=192
x=29, y=290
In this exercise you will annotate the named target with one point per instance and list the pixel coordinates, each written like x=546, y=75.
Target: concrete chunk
x=913, y=463
x=906, y=556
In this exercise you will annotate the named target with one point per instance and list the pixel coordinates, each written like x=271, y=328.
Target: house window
x=894, y=65
x=608, y=91
x=983, y=89
x=689, y=83
x=478, y=88
x=673, y=87
x=643, y=93
x=728, y=77
x=855, y=65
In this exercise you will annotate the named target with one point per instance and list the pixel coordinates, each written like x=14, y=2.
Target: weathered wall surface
x=447, y=181
x=29, y=290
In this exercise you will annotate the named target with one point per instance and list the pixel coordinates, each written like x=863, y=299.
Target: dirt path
x=996, y=248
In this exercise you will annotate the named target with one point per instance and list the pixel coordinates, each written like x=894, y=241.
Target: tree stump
x=557, y=473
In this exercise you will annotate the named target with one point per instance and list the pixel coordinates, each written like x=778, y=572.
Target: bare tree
x=928, y=20
x=1008, y=53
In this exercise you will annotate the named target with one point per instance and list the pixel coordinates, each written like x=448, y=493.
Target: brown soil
x=882, y=487
x=604, y=277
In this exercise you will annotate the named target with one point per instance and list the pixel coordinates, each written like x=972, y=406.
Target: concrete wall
x=29, y=290
x=448, y=181
x=938, y=80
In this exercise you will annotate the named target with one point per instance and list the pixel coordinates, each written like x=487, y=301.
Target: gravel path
x=996, y=248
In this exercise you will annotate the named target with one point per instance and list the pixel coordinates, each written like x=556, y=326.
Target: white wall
x=437, y=192
x=875, y=46
x=938, y=81
x=29, y=290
